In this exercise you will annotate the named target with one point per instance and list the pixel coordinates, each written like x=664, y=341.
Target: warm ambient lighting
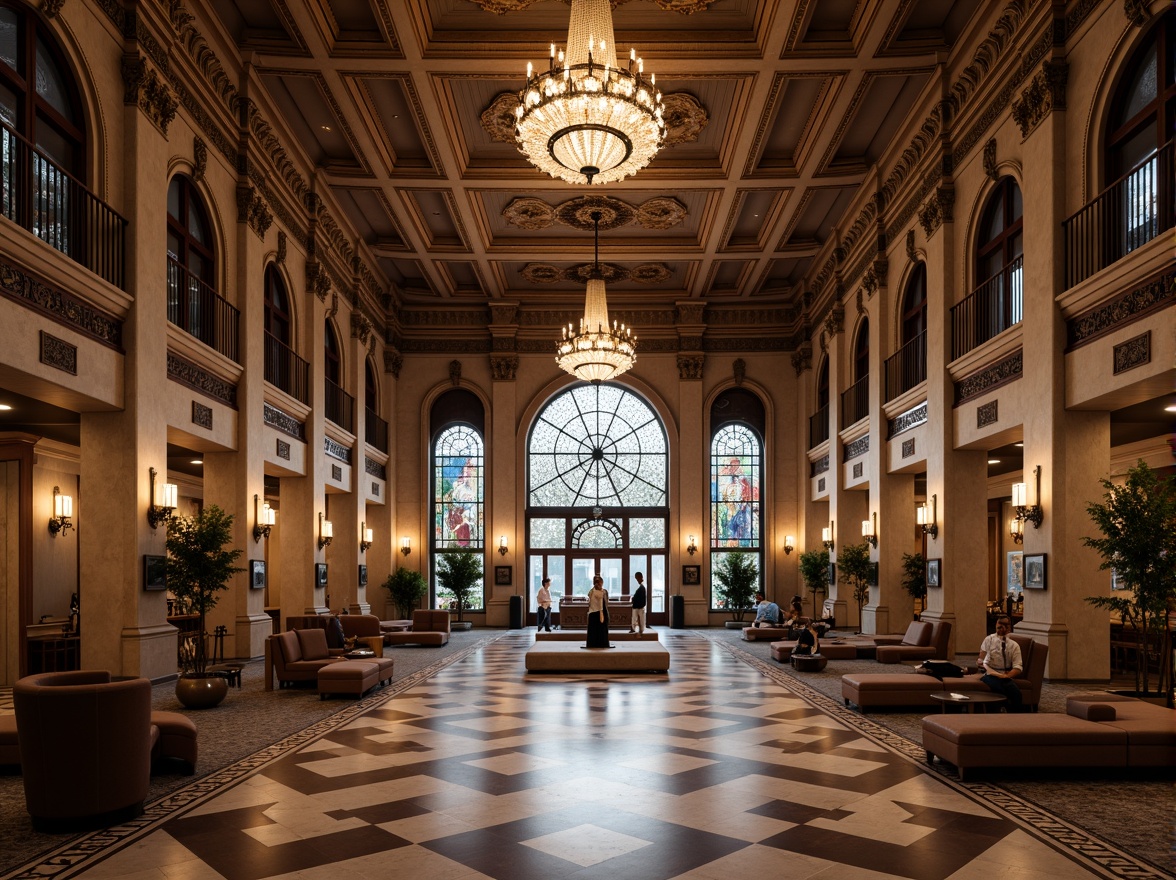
x=596, y=352
x=870, y=530
x=584, y=119
x=502, y=545
x=1029, y=510
x=326, y=532
x=164, y=497
x=1016, y=531
x=365, y=539
x=928, y=518
x=827, y=536
x=264, y=518
x=691, y=546
x=789, y=544
x=62, y=513
x=406, y=545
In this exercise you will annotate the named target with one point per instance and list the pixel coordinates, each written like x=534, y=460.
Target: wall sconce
x=502, y=545
x=827, y=536
x=1026, y=511
x=691, y=546
x=264, y=518
x=1016, y=531
x=406, y=545
x=62, y=512
x=789, y=544
x=326, y=532
x=928, y=519
x=870, y=530
x=163, y=501
x=365, y=539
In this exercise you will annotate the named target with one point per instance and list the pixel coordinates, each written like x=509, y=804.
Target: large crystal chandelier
x=585, y=119
x=596, y=352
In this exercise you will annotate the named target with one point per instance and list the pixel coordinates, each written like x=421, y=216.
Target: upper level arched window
x=861, y=351
x=914, y=306
x=819, y=420
x=277, y=306
x=283, y=367
x=1143, y=112
x=855, y=400
x=340, y=406
x=193, y=303
x=332, y=362
x=907, y=367
x=996, y=303
x=371, y=391
x=823, y=384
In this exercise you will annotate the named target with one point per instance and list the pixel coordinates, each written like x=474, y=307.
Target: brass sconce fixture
x=827, y=536
x=691, y=546
x=365, y=539
x=1016, y=531
x=928, y=519
x=264, y=518
x=406, y=545
x=789, y=544
x=1027, y=512
x=163, y=501
x=326, y=532
x=502, y=545
x=62, y=513
x=870, y=530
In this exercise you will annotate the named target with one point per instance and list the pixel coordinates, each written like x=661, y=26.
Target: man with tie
x=1000, y=659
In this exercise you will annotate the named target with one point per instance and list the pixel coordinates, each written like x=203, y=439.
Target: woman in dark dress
x=598, y=615
x=807, y=642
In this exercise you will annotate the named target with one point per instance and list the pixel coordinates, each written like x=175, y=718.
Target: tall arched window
x=855, y=401
x=277, y=306
x=375, y=428
x=340, y=406
x=458, y=499
x=283, y=368
x=597, y=477
x=914, y=306
x=999, y=255
x=736, y=478
x=332, y=362
x=861, y=351
x=819, y=420
x=907, y=367
x=192, y=300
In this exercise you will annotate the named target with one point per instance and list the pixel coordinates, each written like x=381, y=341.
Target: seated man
x=1000, y=659
x=766, y=613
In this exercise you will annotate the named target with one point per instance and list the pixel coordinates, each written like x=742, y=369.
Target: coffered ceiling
x=776, y=112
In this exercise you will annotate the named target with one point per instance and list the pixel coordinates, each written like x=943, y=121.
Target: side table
x=969, y=701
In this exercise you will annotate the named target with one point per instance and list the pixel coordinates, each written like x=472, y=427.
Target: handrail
x=855, y=401
x=339, y=406
x=994, y=306
x=375, y=430
x=196, y=308
x=907, y=367
x=285, y=369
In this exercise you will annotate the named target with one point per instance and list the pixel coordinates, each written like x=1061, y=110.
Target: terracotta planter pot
x=201, y=691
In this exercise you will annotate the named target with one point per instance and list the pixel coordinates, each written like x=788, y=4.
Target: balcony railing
x=907, y=367
x=855, y=401
x=52, y=204
x=991, y=308
x=1126, y=215
x=340, y=407
x=195, y=307
x=286, y=370
x=819, y=426
x=375, y=430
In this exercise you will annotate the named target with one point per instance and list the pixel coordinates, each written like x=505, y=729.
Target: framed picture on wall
x=1014, y=563
x=933, y=573
x=154, y=572
x=363, y=575
x=1117, y=582
x=1035, y=572
x=257, y=574
x=502, y=575
x=691, y=574
x=320, y=574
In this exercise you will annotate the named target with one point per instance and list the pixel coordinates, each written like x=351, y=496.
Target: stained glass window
x=458, y=462
x=735, y=488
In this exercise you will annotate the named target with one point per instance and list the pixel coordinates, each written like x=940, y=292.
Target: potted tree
x=199, y=567
x=458, y=572
x=405, y=588
x=814, y=570
x=914, y=579
x=737, y=577
x=1137, y=519
x=854, y=560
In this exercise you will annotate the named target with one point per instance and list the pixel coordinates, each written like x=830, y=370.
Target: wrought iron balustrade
x=819, y=426
x=907, y=367
x=990, y=309
x=375, y=430
x=340, y=406
x=286, y=370
x=196, y=308
x=855, y=401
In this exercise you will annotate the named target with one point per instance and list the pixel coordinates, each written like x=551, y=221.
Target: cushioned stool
x=782, y=651
x=809, y=662
x=353, y=677
x=9, y=748
x=177, y=739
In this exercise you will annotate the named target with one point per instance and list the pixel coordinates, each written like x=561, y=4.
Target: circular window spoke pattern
x=597, y=445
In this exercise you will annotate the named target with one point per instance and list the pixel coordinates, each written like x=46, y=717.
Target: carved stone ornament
x=146, y=89
x=499, y=118
x=317, y=281
x=1046, y=92
x=455, y=372
x=282, y=246
x=989, y=159
x=199, y=158
x=504, y=367
x=987, y=414
x=802, y=359
x=1135, y=10
x=1132, y=353
x=201, y=415
x=393, y=361
x=578, y=212
x=910, y=246
x=361, y=327
x=663, y=212
x=199, y=379
x=685, y=118
x=504, y=313
x=59, y=354
x=545, y=273
x=649, y=273
x=50, y=8
x=282, y=449
x=938, y=210
x=691, y=312
x=529, y=213
x=252, y=209
x=908, y=448
x=690, y=367
x=869, y=285
x=333, y=307
x=739, y=370
x=835, y=321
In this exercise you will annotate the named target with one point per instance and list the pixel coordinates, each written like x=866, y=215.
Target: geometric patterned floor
x=720, y=769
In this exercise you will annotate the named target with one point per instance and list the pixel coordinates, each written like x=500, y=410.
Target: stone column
x=504, y=512
x=693, y=459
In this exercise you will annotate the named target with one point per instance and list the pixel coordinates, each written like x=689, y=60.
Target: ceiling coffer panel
x=822, y=209
x=356, y=27
x=727, y=277
x=463, y=277
x=313, y=115
x=753, y=217
x=436, y=217
x=879, y=108
x=261, y=25
x=398, y=122
x=371, y=214
x=408, y=277
x=789, y=122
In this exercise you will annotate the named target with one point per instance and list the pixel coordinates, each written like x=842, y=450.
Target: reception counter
x=573, y=612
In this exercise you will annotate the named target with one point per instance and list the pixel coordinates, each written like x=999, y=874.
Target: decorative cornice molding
x=1006, y=370
x=64, y=308
x=146, y=89
x=1157, y=293
x=504, y=367
x=1046, y=92
x=283, y=422
x=199, y=379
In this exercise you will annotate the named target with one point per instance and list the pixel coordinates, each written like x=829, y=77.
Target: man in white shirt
x=543, y=603
x=1000, y=659
x=766, y=613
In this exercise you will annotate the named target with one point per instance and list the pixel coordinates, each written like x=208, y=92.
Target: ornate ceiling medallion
x=685, y=118
x=531, y=213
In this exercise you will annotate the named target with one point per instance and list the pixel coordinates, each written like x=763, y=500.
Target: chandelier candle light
x=584, y=119
x=596, y=352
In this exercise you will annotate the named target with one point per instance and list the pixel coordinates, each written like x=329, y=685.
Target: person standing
x=598, y=615
x=543, y=601
x=638, y=599
x=1000, y=660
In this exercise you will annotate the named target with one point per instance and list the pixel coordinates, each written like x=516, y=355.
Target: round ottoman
x=809, y=662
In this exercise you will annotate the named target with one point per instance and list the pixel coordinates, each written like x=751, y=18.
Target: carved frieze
x=937, y=210
x=59, y=354
x=1045, y=92
x=986, y=414
x=504, y=313
x=504, y=367
x=199, y=379
x=62, y=307
x=690, y=367
x=910, y=419
x=992, y=376
x=374, y=469
x=820, y=466
x=1155, y=294
x=145, y=88
x=690, y=313
x=252, y=209
x=283, y=422
x=201, y=415
x=1132, y=353
x=860, y=446
x=283, y=450
x=335, y=449
x=908, y=448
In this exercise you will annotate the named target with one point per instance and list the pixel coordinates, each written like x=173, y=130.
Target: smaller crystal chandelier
x=596, y=353
x=584, y=119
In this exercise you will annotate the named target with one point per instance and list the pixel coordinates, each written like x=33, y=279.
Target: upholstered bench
x=9, y=747
x=809, y=662
x=782, y=651
x=353, y=677
x=177, y=739
x=765, y=633
x=557, y=656
x=571, y=635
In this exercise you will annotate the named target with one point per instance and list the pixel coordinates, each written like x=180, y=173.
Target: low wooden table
x=969, y=701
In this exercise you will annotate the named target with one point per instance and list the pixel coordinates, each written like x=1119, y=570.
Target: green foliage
x=199, y=567
x=405, y=588
x=736, y=576
x=458, y=573
x=914, y=576
x=854, y=562
x=1137, y=520
x=814, y=570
